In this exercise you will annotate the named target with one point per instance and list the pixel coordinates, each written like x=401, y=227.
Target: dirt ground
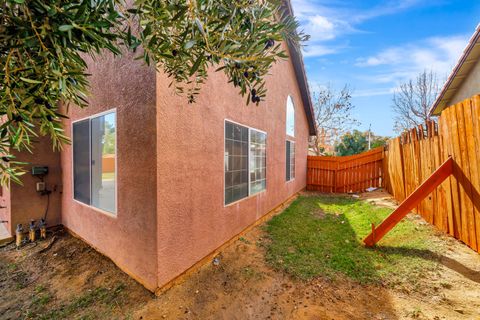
x=64, y=281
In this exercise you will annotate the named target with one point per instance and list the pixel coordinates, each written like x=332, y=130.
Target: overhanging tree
x=43, y=44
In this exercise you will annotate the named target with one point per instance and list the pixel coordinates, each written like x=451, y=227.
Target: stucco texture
x=129, y=237
x=192, y=219
x=26, y=203
x=469, y=87
x=5, y=211
x=169, y=168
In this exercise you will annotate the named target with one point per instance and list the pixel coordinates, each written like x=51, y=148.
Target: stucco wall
x=5, y=209
x=129, y=238
x=192, y=218
x=469, y=87
x=26, y=202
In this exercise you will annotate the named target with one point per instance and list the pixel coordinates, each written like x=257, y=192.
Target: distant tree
x=109, y=139
x=357, y=142
x=379, y=141
x=352, y=143
x=333, y=117
x=413, y=99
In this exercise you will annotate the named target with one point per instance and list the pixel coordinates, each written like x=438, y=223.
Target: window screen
x=258, y=161
x=94, y=161
x=236, y=162
x=81, y=161
x=290, y=160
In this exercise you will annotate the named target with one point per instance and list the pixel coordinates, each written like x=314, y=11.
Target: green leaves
x=65, y=27
x=30, y=80
x=43, y=44
x=240, y=38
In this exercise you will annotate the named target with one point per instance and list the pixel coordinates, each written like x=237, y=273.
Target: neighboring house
x=464, y=81
x=157, y=184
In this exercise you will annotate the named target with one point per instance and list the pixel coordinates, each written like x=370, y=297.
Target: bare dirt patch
x=72, y=281
x=69, y=280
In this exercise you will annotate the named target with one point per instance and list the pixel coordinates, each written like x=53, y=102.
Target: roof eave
x=437, y=108
x=301, y=76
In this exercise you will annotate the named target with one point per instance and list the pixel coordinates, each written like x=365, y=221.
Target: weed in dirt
x=41, y=299
x=306, y=247
x=99, y=296
x=251, y=273
x=12, y=266
x=244, y=240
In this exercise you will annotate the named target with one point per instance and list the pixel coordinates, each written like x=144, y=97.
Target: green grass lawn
x=322, y=236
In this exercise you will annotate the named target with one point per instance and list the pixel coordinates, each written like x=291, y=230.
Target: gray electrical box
x=39, y=170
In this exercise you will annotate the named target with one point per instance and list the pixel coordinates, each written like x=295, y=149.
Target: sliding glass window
x=94, y=161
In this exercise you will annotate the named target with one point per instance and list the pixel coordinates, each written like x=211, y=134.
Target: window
x=290, y=117
x=258, y=161
x=290, y=160
x=245, y=161
x=236, y=162
x=94, y=161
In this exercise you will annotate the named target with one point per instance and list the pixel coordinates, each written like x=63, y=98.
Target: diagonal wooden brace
x=435, y=179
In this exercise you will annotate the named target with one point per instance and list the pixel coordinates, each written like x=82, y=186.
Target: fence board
x=454, y=206
x=475, y=109
x=345, y=174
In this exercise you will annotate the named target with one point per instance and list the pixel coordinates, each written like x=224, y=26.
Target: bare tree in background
x=413, y=99
x=333, y=117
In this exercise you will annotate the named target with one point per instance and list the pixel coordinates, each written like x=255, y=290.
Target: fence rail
x=345, y=174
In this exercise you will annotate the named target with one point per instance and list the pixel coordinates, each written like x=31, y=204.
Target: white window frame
x=250, y=195
x=108, y=213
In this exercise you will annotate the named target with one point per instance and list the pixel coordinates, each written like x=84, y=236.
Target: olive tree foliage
x=44, y=43
x=413, y=99
x=333, y=116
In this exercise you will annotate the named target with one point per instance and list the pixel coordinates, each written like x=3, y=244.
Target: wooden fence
x=454, y=206
x=345, y=174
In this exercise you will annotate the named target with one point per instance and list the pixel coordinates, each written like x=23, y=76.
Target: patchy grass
x=81, y=307
x=110, y=297
x=322, y=236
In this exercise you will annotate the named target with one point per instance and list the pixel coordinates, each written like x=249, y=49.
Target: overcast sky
x=373, y=46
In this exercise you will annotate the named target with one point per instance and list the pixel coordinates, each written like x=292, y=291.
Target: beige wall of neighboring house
x=464, y=80
x=469, y=87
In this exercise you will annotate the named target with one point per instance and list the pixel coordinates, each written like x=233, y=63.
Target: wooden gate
x=345, y=174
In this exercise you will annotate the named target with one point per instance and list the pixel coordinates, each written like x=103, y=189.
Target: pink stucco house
x=157, y=184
